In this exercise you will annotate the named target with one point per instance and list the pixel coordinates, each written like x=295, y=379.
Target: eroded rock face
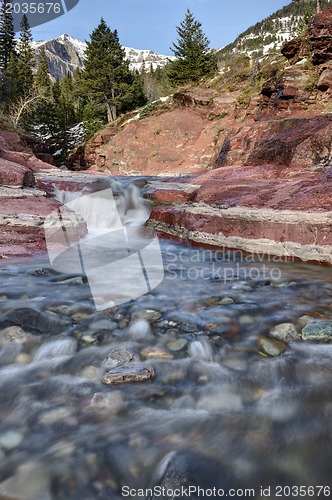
x=325, y=81
x=295, y=50
x=320, y=32
x=23, y=207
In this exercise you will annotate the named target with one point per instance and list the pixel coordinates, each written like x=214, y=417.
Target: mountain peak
x=65, y=53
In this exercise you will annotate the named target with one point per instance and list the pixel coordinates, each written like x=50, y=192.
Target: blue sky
x=150, y=24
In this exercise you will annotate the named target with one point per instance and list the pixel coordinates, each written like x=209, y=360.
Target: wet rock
x=91, y=372
x=34, y=321
x=118, y=357
x=188, y=327
x=154, y=352
x=133, y=372
x=222, y=398
x=303, y=321
x=23, y=358
x=87, y=340
x=59, y=416
x=226, y=301
x=150, y=315
x=177, y=344
x=320, y=330
x=30, y=480
x=76, y=280
x=13, y=334
x=42, y=271
x=284, y=332
x=184, y=469
x=111, y=403
x=10, y=440
x=271, y=347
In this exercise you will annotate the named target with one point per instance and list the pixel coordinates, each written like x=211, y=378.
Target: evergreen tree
x=194, y=59
x=25, y=59
x=7, y=35
x=106, y=77
x=7, y=57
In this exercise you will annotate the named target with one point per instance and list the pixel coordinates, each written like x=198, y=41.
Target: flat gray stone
x=318, y=330
x=133, y=372
x=118, y=357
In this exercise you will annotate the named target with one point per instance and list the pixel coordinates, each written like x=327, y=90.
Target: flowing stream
x=218, y=412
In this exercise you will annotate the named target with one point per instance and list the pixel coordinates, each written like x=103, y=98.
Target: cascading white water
x=120, y=259
x=97, y=210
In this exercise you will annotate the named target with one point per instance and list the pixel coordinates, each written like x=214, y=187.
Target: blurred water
x=217, y=412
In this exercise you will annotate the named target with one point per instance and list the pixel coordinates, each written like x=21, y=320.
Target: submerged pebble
x=271, y=347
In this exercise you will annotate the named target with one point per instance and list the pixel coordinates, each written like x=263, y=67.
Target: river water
x=218, y=413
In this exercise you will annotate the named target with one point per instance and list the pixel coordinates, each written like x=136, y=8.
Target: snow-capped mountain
x=66, y=53
x=271, y=33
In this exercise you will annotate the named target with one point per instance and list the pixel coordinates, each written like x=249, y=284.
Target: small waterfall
x=120, y=259
x=200, y=349
x=56, y=349
x=106, y=205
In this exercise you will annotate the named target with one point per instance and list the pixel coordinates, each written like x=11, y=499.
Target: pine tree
x=7, y=35
x=194, y=59
x=25, y=59
x=106, y=77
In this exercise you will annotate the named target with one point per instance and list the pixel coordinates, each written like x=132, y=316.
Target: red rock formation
x=320, y=32
x=22, y=206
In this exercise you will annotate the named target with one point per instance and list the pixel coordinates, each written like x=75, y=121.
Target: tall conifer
x=194, y=59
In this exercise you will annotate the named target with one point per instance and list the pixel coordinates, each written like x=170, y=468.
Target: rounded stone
x=284, y=332
x=271, y=347
x=177, y=344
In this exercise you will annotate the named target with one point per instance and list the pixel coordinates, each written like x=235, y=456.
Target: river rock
x=133, y=372
x=176, y=344
x=118, y=357
x=35, y=321
x=184, y=469
x=58, y=416
x=271, y=347
x=29, y=480
x=150, y=315
x=13, y=334
x=284, y=332
x=154, y=352
x=112, y=402
x=318, y=330
x=226, y=301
